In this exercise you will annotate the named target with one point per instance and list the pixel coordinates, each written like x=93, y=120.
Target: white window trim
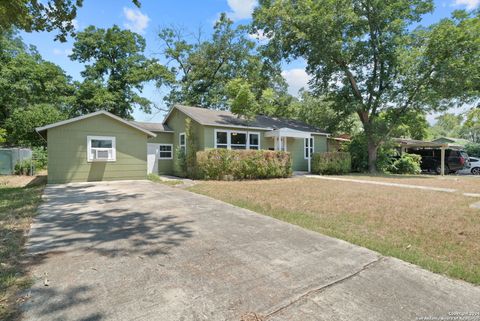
x=184, y=141
x=171, y=152
x=305, y=148
x=229, y=138
x=89, y=148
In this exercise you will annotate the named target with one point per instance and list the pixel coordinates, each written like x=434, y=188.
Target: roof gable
x=43, y=130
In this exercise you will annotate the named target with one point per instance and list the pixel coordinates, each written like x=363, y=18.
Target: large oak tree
x=369, y=59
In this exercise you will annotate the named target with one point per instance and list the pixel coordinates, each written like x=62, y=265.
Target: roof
x=153, y=127
x=459, y=141
x=222, y=118
x=43, y=130
x=423, y=144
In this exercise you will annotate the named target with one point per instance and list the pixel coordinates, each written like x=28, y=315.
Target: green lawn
x=19, y=199
x=157, y=179
x=436, y=230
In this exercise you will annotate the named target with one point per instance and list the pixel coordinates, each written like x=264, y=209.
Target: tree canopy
x=364, y=56
x=222, y=72
x=37, y=15
x=116, y=70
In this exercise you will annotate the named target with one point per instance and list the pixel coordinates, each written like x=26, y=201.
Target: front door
x=152, y=158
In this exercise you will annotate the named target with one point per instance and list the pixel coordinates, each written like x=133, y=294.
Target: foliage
x=406, y=164
x=358, y=151
x=40, y=157
x=21, y=124
x=471, y=127
x=367, y=58
x=35, y=15
x=473, y=149
x=23, y=167
x=319, y=112
x=180, y=163
x=3, y=135
x=191, y=152
x=447, y=125
x=204, y=68
x=223, y=164
x=331, y=163
x=116, y=70
x=26, y=79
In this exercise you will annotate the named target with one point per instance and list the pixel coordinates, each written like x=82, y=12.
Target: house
x=450, y=140
x=102, y=146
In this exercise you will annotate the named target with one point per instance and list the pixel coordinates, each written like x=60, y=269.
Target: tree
x=447, y=125
x=364, y=56
x=37, y=15
x=26, y=79
x=115, y=71
x=21, y=124
x=471, y=127
x=212, y=73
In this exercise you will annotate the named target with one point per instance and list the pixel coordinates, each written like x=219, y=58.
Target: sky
x=189, y=15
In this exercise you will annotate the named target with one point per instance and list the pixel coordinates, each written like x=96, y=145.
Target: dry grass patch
x=438, y=231
x=19, y=199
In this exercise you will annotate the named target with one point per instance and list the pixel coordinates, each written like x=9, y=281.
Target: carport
x=412, y=143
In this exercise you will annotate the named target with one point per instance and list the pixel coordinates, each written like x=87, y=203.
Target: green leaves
x=116, y=70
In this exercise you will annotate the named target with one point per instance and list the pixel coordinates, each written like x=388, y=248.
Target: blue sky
x=188, y=14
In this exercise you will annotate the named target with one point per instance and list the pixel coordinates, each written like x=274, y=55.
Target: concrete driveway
x=145, y=251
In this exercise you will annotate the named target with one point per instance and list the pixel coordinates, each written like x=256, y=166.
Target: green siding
x=165, y=166
x=67, y=152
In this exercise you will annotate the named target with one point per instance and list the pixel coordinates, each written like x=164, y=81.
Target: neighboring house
x=102, y=146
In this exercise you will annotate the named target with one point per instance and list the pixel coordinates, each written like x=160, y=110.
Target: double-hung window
x=165, y=151
x=253, y=140
x=101, y=149
x=308, y=148
x=232, y=139
x=182, y=139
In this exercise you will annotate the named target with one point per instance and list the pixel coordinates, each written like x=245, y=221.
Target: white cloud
x=470, y=4
x=136, y=21
x=260, y=36
x=62, y=52
x=296, y=78
x=241, y=9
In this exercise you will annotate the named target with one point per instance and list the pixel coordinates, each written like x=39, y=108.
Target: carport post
x=309, y=154
x=442, y=161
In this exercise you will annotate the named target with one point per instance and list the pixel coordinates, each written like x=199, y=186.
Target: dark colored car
x=431, y=159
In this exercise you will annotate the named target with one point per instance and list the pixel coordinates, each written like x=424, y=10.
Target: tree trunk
x=372, y=155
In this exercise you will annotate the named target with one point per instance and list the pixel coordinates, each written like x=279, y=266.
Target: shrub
x=225, y=164
x=40, y=157
x=406, y=164
x=331, y=163
x=23, y=167
x=359, y=153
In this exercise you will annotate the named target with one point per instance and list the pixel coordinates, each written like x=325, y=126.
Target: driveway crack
x=323, y=288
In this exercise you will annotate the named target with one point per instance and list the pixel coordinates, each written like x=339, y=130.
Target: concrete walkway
x=145, y=251
x=351, y=180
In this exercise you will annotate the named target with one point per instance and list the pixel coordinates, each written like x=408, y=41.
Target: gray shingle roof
x=222, y=118
x=153, y=127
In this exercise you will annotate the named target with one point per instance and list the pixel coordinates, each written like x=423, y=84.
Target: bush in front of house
x=331, y=163
x=225, y=164
x=406, y=164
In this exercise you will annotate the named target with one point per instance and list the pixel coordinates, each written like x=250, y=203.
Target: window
x=221, y=139
x=165, y=151
x=238, y=140
x=101, y=148
x=182, y=142
x=254, y=141
x=231, y=139
x=308, y=151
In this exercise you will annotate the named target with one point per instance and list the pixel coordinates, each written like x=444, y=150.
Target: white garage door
x=152, y=158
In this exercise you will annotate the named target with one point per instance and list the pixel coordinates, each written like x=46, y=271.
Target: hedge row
x=225, y=164
x=331, y=163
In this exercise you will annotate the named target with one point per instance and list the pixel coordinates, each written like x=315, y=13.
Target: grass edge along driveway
x=19, y=199
x=437, y=231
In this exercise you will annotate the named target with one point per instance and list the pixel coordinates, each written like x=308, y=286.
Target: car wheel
x=438, y=170
x=476, y=171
